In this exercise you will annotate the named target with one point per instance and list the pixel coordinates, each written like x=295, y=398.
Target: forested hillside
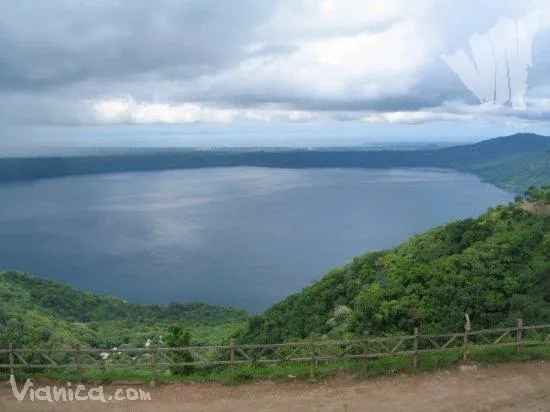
x=39, y=312
x=516, y=172
x=495, y=267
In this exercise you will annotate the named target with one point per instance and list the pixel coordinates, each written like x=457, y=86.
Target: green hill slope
x=516, y=172
x=495, y=268
x=40, y=312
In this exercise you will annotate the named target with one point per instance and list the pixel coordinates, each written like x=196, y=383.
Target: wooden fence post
x=78, y=363
x=153, y=363
x=12, y=369
x=365, y=352
x=465, y=349
x=232, y=356
x=467, y=328
x=312, y=361
x=465, y=346
x=519, y=334
x=415, y=348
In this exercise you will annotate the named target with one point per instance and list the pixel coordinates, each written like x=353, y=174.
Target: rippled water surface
x=244, y=237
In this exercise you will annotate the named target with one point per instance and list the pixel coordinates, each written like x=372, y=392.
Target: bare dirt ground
x=508, y=387
x=538, y=210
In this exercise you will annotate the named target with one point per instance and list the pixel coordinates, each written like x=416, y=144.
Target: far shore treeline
x=513, y=162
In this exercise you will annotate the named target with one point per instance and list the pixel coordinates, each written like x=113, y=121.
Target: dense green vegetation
x=495, y=267
x=36, y=312
x=516, y=172
x=514, y=162
x=178, y=337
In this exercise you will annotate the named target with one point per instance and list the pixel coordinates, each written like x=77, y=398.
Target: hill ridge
x=474, y=158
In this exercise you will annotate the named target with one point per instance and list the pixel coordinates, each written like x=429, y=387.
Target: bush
x=178, y=337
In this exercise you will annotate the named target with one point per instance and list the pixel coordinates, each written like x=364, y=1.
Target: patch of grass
x=503, y=355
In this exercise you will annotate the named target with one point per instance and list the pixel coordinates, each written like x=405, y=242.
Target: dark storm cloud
x=56, y=43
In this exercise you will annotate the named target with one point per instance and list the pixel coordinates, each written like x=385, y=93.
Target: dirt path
x=510, y=387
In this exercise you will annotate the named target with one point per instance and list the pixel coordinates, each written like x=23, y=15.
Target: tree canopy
x=495, y=268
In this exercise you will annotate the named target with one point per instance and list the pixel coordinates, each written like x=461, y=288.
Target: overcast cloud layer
x=104, y=62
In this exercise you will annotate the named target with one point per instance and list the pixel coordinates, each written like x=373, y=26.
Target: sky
x=270, y=73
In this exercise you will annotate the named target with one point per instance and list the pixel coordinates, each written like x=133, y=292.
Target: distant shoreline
x=513, y=163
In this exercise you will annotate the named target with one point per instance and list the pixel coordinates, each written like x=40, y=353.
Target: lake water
x=244, y=237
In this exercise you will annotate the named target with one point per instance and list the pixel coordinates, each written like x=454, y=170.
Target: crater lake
x=244, y=237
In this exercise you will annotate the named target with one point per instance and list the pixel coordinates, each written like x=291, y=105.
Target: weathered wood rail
x=161, y=358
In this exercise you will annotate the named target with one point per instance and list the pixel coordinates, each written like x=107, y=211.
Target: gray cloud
x=45, y=45
x=245, y=59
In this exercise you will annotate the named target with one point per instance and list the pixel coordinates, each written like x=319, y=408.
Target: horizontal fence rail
x=158, y=359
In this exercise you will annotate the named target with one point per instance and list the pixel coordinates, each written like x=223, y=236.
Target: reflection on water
x=244, y=237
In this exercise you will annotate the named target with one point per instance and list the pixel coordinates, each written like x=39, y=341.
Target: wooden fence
x=312, y=352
